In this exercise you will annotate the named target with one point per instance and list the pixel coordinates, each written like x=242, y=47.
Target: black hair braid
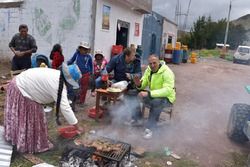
x=59, y=96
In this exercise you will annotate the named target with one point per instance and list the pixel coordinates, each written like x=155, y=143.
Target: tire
x=238, y=117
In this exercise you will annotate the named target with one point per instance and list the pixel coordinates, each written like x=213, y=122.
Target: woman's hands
x=79, y=128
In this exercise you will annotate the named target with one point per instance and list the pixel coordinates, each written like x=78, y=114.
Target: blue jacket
x=84, y=62
x=120, y=67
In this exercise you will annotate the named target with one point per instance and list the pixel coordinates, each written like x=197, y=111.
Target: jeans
x=98, y=82
x=156, y=106
x=134, y=102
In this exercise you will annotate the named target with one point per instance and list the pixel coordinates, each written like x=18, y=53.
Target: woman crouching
x=24, y=119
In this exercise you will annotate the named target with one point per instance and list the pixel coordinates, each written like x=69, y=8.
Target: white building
x=102, y=23
x=169, y=32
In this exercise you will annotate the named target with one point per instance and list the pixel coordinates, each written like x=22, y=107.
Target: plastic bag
x=120, y=85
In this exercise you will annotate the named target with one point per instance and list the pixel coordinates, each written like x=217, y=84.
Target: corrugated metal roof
x=10, y=3
x=5, y=150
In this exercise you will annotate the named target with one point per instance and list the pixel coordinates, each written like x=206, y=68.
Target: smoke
x=121, y=113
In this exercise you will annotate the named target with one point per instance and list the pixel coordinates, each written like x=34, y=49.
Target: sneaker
x=133, y=122
x=129, y=123
x=148, y=134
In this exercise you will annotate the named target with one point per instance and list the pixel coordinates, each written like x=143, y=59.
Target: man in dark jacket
x=125, y=66
x=22, y=45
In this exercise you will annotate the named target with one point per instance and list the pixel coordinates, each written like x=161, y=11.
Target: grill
x=115, y=156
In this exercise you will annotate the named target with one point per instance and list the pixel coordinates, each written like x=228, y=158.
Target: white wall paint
x=169, y=29
x=65, y=24
x=104, y=39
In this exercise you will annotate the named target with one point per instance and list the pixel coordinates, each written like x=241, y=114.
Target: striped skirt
x=24, y=122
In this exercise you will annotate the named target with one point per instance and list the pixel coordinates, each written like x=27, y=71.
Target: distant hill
x=245, y=22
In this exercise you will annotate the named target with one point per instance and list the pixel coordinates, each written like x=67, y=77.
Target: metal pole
x=226, y=34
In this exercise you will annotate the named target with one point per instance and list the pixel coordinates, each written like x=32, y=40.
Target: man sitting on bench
x=161, y=82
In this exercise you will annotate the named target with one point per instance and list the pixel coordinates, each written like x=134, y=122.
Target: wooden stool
x=110, y=97
x=168, y=110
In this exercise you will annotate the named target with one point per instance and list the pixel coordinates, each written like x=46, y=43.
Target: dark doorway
x=170, y=39
x=153, y=44
x=122, y=32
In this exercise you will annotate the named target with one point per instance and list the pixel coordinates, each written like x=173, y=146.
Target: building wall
x=169, y=29
x=152, y=24
x=66, y=22
x=104, y=39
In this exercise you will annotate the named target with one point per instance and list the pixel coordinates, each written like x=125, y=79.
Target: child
x=85, y=63
x=99, y=65
x=56, y=56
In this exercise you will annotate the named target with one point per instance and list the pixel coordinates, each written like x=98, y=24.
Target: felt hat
x=84, y=45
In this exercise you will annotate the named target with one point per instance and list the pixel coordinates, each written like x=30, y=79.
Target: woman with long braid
x=24, y=118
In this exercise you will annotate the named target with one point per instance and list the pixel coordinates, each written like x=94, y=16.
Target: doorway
x=153, y=44
x=122, y=32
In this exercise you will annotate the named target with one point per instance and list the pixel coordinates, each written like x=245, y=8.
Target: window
x=243, y=50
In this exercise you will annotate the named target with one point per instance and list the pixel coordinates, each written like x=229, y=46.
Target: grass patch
x=51, y=157
x=19, y=161
x=209, y=53
x=185, y=163
x=159, y=159
x=215, y=53
x=236, y=160
x=229, y=57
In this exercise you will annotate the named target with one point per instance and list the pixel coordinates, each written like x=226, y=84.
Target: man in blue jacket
x=125, y=66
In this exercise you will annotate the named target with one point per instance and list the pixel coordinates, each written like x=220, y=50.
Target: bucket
x=92, y=113
x=168, y=57
x=177, y=56
x=193, y=55
x=185, y=56
x=116, y=49
x=68, y=132
x=177, y=46
x=193, y=60
x=169, y=46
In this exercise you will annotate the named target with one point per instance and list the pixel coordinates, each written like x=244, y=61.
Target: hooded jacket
x=120, y=67
x=160, y=83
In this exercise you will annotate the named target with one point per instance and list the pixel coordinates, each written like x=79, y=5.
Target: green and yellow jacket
x=160, y=83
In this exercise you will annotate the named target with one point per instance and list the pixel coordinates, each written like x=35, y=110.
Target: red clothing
x=57, y=60
x=84, y=85
x=99, y=67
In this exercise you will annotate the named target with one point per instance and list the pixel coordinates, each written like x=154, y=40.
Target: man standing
x=22, y=45
x=161, y=82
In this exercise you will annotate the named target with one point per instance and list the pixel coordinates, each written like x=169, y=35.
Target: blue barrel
x=177, y=56
x=185, y=56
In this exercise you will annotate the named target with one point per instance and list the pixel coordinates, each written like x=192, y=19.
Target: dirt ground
x=205, y=93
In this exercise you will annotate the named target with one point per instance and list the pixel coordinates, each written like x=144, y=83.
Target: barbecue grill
x=114, y=156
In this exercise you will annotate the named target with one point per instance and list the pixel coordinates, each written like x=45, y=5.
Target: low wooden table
x=110, y=95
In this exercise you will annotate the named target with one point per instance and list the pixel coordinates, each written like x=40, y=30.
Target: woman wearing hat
x=24, y=118
x=85, y=64
x=99, y=65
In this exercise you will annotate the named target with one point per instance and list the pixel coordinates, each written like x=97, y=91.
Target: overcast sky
x=217, y=9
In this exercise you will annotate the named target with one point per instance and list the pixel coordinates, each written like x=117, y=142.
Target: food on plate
x=114, y=90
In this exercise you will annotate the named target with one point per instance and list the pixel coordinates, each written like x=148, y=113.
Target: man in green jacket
x=160, y=80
